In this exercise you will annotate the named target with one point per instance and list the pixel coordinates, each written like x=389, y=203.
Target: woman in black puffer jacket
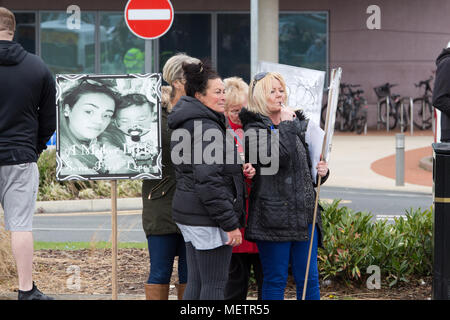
x=208, y=205
x=281, y=204
x=164, y=239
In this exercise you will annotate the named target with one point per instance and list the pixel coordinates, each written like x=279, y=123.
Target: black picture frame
x=108, y=127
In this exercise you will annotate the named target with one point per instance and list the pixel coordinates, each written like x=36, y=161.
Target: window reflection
x=303, y=40
x=26, y=30
x=121, y=51
x=190, y=33
x=67, y=50
x=233, y=41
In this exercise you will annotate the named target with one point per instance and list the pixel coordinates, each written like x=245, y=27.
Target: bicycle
x=424, y=119
x=338, y=123
x=385, y=98
x=351, y=110
x=359, y=112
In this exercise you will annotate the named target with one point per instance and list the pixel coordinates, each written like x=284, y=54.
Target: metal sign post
x=114, y=251
x=326, y=149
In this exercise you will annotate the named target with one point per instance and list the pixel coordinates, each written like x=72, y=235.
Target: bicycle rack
x=411, y=112
x=388, y=107
x=423, y=115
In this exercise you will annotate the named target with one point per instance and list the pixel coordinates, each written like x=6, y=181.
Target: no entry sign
x=149, y=19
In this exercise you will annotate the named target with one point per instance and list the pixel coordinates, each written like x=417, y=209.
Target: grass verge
x=42, y=245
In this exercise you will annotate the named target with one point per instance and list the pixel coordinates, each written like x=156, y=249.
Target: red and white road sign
x=149, y=19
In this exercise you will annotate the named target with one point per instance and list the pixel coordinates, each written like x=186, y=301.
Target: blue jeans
x=275, y=258
x=162, y=250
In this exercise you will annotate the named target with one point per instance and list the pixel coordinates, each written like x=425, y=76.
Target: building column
x=264, y=32
x=268, y=30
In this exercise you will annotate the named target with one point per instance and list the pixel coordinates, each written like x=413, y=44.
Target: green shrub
x=7, y=264
x=51, y=189
x=353, y=241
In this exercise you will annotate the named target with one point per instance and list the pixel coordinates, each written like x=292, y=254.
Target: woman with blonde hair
x=164, y=238
x=282, y=205
x=245, y=255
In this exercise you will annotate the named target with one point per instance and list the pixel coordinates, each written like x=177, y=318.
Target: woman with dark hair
x=86, y=111
x=208, y=205
x=165, y=241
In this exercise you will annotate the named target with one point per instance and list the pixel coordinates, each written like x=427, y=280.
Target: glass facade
x=120, y=51
x=67, y=50
x=233, y=45
x=190, y=33
x=26, y=30
x=303, y=40
x=103, y=43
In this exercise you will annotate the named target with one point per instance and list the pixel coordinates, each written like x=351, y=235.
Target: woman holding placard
x=282, y=205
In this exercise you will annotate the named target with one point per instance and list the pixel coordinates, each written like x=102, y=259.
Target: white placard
x=333, y=97
x=437, y=129
x=314, y=138
x=304, y=86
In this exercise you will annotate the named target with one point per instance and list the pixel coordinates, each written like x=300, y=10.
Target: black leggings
x=207, y=272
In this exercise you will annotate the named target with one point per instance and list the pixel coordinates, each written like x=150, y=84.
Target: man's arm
x=46, y=112
x=441, y=91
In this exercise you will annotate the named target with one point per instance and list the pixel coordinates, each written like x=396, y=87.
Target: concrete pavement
x=354, y=157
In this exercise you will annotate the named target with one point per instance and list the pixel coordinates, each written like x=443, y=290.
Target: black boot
x=33, y=294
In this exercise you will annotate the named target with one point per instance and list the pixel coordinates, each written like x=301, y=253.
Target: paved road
x=87, y=227
x=97, y=226
x=379, y=203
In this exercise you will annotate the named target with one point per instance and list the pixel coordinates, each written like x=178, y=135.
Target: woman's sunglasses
x=258, y=77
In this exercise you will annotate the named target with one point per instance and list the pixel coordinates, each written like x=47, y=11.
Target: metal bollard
x=402, y=121
x=441, y=222
x=378, y=115
x=388, y=106
x=400, y=159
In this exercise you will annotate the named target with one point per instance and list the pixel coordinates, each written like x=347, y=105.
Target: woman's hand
x=287, y=114
x=249, y=171
x=322, y=168
x=234, y=238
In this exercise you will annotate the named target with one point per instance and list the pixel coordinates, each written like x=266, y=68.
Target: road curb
x=426, y=163
x=92, y=205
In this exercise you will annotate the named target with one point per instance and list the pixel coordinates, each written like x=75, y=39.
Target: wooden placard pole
x=114, y=238
x=335, y=77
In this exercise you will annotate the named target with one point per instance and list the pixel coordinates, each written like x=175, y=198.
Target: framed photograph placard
x=108, y=127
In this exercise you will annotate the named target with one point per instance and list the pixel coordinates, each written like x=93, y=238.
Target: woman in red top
x=245, y=255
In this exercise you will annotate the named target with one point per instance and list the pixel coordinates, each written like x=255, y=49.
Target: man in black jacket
x=441, y=92
x=27, y=121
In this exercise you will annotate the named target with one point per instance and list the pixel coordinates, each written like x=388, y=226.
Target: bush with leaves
x=353, y=241
x=51, y=189
x=7, y=263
